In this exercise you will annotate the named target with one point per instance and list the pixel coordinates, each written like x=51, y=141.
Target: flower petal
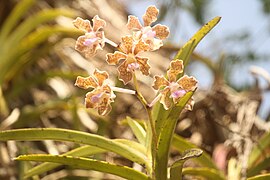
x=126, y=44
x=101, y=76
x=159, y=82
x=150, y=15
x=124, y=74
x=98, y=23
x=165, y=99
x=104, y=106
x=188, y=83
x=114, y=58
x=92, y=99
x=176, y=67
x=133, y=23
x=144, y=66
x=86, y=83
x=91, y=51
x=141, y=47
x=79, y=46
x=82, y=24
x=162, y=31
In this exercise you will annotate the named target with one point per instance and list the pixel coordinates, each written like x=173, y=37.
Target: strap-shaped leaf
x=137, y=129
x=58, y=134
x=166, y=135
x=78, y=152
x=176, y=168
x=182, y=144
x=85, y=163
x=259, y=149
x=208, y=173
x=14, y=17
x=260, y=177
x=254, y=170
x=185, y=52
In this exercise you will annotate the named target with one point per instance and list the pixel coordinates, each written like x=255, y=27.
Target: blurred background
x=39, y=65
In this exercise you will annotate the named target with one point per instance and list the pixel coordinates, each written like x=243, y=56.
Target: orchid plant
x=174, y=93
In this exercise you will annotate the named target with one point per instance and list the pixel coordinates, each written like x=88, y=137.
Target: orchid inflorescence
x=142, y=39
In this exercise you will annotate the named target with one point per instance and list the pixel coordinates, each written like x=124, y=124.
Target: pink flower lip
x=90, y=41
x=96, y=98
x=178, y=94
x=133, y=66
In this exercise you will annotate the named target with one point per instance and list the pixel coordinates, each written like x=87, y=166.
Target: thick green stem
x=151, y=122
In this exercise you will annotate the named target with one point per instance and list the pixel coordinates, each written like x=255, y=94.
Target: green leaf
x=14, y=18
x=137, y=129
x=37, y=134
x=259, y=150
x=182, y=144
x=185, y=52
x=208, y=173
x=176, y=168
x=79, y=152
x=254, y=170
x=260, y=177
x=166, y=135
x=85, y=163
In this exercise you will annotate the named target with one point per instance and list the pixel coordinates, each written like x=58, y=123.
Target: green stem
x=151, y=122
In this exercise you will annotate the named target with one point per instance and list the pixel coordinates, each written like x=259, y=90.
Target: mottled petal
x=133, y=23
x=104, y=106
x=144, y=66
x=162, y=31
x=159, y=82
x=126, y=44
x=150, y=15
x=124, y=74
x=79, y=46
x=98, y=23
x=188, y=83
x=154, y=44
x=165, y=99
x=92, y=99
x=176, y=67
x=141, y=47
x=114, y=58
x=82, y=24
x=86, y=83
x=91, y=51
x=101, y=76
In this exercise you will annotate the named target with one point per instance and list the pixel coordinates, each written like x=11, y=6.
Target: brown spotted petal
x=133, y=23
x=124, y=74
x=89, y=51
x=114, y=58
x=100, y=76
x=126, y=44
x=98, y=23
x=144, y=66
x=165, y=99
x=141, y=47
x=176, y=67
x=86, y=83
x=188, y=83
x=159, y=82
x=104, y=106
x=83, y=25
x=162, y=31
x=150, y=15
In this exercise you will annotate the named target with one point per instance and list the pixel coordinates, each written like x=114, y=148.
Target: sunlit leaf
x=166, y=135
x=208, y=173
x=137, y=129
x=37, y=134
x=260, y=177
x=85, y=163
x=182, y=144
x=176, y=167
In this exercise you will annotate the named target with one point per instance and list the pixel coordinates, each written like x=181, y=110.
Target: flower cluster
x=143, y=38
